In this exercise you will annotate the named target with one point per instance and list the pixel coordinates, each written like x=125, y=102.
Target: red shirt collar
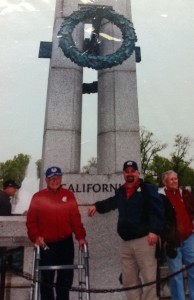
x=130, y=189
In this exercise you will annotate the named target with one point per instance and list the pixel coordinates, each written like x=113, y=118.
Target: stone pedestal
x=103, y=241
x=14, y=235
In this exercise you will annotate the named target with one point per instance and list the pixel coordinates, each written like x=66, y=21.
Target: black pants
x=59, y=253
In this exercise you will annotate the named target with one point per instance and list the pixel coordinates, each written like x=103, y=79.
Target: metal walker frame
x=83, y=265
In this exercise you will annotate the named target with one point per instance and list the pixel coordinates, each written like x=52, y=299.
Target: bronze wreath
x=70, y=50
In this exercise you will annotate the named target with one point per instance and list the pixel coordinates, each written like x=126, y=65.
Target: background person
x=10, y=187
x=178, y=236
x=9, y=190
x=140, y=221
x=52, y=218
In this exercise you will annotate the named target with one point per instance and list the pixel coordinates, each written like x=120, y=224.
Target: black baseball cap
x=11, y=183
x=130, y=163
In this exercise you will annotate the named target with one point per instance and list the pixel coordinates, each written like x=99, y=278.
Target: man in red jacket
x=52, y=218
x=178, y=235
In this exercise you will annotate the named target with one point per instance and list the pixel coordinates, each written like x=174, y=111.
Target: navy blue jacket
x=142, y=213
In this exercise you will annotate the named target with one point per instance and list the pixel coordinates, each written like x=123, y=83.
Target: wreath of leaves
x=66, y=42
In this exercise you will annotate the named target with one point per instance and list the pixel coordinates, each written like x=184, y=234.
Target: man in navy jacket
x=140, y=221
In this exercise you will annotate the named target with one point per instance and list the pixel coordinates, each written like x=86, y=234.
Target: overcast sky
x=165, y=76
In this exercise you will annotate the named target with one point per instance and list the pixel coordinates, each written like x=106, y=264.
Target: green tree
x=188, y=178
x=38, y=166
x=179, y=159
x=14, y=168
x=149, y=148
x=158, y=166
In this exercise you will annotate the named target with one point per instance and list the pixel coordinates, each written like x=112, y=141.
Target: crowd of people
x=146, y=218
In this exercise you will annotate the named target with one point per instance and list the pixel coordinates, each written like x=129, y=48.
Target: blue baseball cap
x=53, y=171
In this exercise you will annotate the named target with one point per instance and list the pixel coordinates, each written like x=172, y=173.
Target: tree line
x=153, y=164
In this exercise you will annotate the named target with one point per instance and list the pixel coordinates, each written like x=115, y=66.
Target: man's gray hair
x=165, y=174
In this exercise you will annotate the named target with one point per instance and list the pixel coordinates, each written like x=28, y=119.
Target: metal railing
x=5, y=264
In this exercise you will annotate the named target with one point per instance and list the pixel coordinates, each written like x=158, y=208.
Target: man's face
x=10, y=191
x=131, y=175
x=54, y=182
x=171, y=181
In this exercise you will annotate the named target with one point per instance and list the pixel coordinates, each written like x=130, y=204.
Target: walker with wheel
x=82, y=267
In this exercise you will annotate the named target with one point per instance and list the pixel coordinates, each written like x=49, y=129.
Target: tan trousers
x=139, y=266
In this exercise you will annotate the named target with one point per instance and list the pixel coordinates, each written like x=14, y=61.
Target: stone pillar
x=62, y=132
x=118, y=121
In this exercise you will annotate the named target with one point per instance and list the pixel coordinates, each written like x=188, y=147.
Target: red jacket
x=54, y=216
x=171, y=234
